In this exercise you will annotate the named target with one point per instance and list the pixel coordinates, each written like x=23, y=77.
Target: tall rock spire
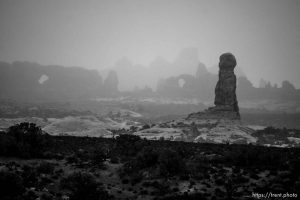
x=225, y=96
x=226, y=104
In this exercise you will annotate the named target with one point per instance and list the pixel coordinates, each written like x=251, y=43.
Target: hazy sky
x=263, y=34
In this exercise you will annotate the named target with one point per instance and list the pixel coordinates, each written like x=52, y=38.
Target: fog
x=149, y=99
x=264, y=35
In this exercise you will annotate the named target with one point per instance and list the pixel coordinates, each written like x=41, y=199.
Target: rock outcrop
x=225, y=98
x=27, y=81
x=111, y=84
x=226, y=105
x=201, y=71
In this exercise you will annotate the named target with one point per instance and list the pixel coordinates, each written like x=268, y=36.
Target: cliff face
x=30, y=81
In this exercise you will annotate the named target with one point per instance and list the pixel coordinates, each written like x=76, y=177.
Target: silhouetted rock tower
x=226, y=104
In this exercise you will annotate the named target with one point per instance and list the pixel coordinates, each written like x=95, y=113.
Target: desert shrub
x=144, y=192
x=125, y=181
x=160, y=161
x=99, y=155
x=220, y=181
x=148, y=157
x=294, y=165
x=30, y=195
x=25, y=140
x=161, y=188
x=30, y=176
x=270, y=135
x=136, y=178
x=114, y=159
x=45, y=168
x=5, y=144
x=170, y=163
x=195, y=196
x=128, y=145
x=254, y=176
x=46, y=196
x=132, y=171
x=83, y=186
x=146, y=126
x=254, y=156
x=11, y=186
x=279, y=133
x=241, y=179
x=82, y=155
x=201, y=163
x=127, y=138
x=43, y=182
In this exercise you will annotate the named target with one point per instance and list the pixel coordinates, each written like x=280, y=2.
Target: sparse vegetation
x=11, y=186
x=127, y=166
x=24, y=140
x=83, y=186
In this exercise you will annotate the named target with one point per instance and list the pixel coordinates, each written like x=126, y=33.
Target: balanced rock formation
x=226, y=105
x=225, y=98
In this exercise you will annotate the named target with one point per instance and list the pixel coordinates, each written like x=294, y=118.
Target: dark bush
x=148, y=157
x=72, y=159
x=170, y=163
x=30, y=176
x=254, y=156
x=46, y=196
x=30, y=195
x=11, y=186
x=45, y=168
x=114, y=159
x=99, y=155
x=195, y=196
x=83, y=186
x=128, y=145
x=146, y=126
x=24, y=140
x=136, y=178
x=125, y=181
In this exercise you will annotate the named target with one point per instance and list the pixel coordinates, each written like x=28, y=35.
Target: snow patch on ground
x=294, y=139
x=92, y=126
x=156, y=133
x=256, y=127
x=83, y=126
x=156, y=100
x=226, y=135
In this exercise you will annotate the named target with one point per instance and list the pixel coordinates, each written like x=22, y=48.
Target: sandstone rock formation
x=201, y=71
x=226, y=105
x=23, y=81
x=225, y=98
x=111, y=84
